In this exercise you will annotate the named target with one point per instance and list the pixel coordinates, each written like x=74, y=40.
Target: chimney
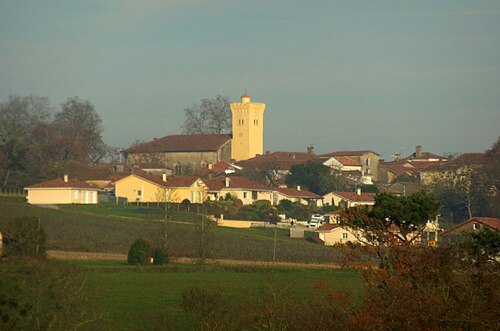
x=358, y=191
x=65, y=178
x=227, y=181
x=310, y=149
x=210, y=166
x=298, y=187
x=418, y=151
x=164, y=177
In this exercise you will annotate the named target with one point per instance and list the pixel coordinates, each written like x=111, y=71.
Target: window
x=256, y=122
x=139, y=193
x=344, y=235
x=245, y=195
x=476, y=226
x=367, y=162
x=192, y=197
x=254, y=195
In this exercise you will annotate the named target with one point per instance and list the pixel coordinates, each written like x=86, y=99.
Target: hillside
x=111, y=229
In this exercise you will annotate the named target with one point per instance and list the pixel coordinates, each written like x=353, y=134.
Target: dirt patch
x=87, y=256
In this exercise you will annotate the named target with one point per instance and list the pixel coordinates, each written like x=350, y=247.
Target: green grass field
x=112, y=228
x=138, y=298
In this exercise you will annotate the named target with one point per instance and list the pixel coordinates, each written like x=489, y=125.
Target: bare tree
x=18, y=119
x=210, y=116
x=80, y=130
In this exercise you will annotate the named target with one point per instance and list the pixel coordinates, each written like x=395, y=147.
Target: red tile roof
x=424, y=156
x=183, y=143
x=490, y=222
x=344, y=160
x=219, y=167
x=328, y=227
x=59, y=183
x=349, y=153
x=353, y=196
x=172, y=181
x=471, y=158
x=294, y=193
x=219, y=183
x=277, y=160
x=396, y=167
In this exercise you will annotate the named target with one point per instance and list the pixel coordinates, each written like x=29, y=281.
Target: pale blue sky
x=342, y=75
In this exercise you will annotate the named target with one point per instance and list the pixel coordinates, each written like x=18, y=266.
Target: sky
x=340, y=75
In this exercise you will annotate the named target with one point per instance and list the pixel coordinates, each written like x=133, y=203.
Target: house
x=349, y=199
x=143, y=187
x=276, y=164
x=62, y=191
x=420, y=156
x=242, y=188
x=335, y=234
x=388, y=172
x=454, y=234
x=296, y=195
x=367, y=159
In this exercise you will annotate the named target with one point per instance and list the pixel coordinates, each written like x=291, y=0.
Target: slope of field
x=112, y=229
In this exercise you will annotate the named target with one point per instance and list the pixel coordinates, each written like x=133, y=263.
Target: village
x=194, y=169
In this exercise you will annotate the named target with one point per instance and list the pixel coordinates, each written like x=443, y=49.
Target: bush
x=160, y=256
x=139, y=252
x=22, y=236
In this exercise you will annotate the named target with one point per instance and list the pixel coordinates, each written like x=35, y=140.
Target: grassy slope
x=134, y=297
x=111, y=228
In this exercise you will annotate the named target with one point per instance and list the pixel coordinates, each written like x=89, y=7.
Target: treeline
x=37, y=143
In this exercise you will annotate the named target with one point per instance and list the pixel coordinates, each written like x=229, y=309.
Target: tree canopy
x=210, y=116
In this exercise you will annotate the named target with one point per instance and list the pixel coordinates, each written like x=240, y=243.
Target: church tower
x=248, y=128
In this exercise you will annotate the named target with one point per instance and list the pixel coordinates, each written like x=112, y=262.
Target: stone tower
x=248, y=128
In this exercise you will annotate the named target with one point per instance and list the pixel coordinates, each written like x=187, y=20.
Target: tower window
x=256, y=122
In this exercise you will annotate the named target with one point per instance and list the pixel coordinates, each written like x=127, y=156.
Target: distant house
x=335, y=234
x=277, y=163
x=454, y=234
x=143, y=187
x=242, y=188
x=368, y=160
x=218, y=169
x=62, y=191
x=420, y=156
x=389, y=171
x=296, y=195
x=182, y=152
x=349, y=199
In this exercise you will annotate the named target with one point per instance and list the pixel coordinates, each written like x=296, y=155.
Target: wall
x=335, y=237
x=61, y=196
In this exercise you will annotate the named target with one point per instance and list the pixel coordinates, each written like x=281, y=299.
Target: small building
x=143, y=187
x=349, y=199
x=62, y=191
x=455, y=233
x=242, y=188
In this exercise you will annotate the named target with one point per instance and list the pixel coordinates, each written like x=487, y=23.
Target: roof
x=219, y=183
x=182, y=143
x=345, y=161
x=493, y=223
x=172, y=181
x=277, y=160
x=471, y=158
x=397, y=168
x=350, y=153
x=294, y=193
x=97, y=171
x=59, y=183
x=219, y=167
x=424, y=156
x=353, y=196
x=328, y=227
